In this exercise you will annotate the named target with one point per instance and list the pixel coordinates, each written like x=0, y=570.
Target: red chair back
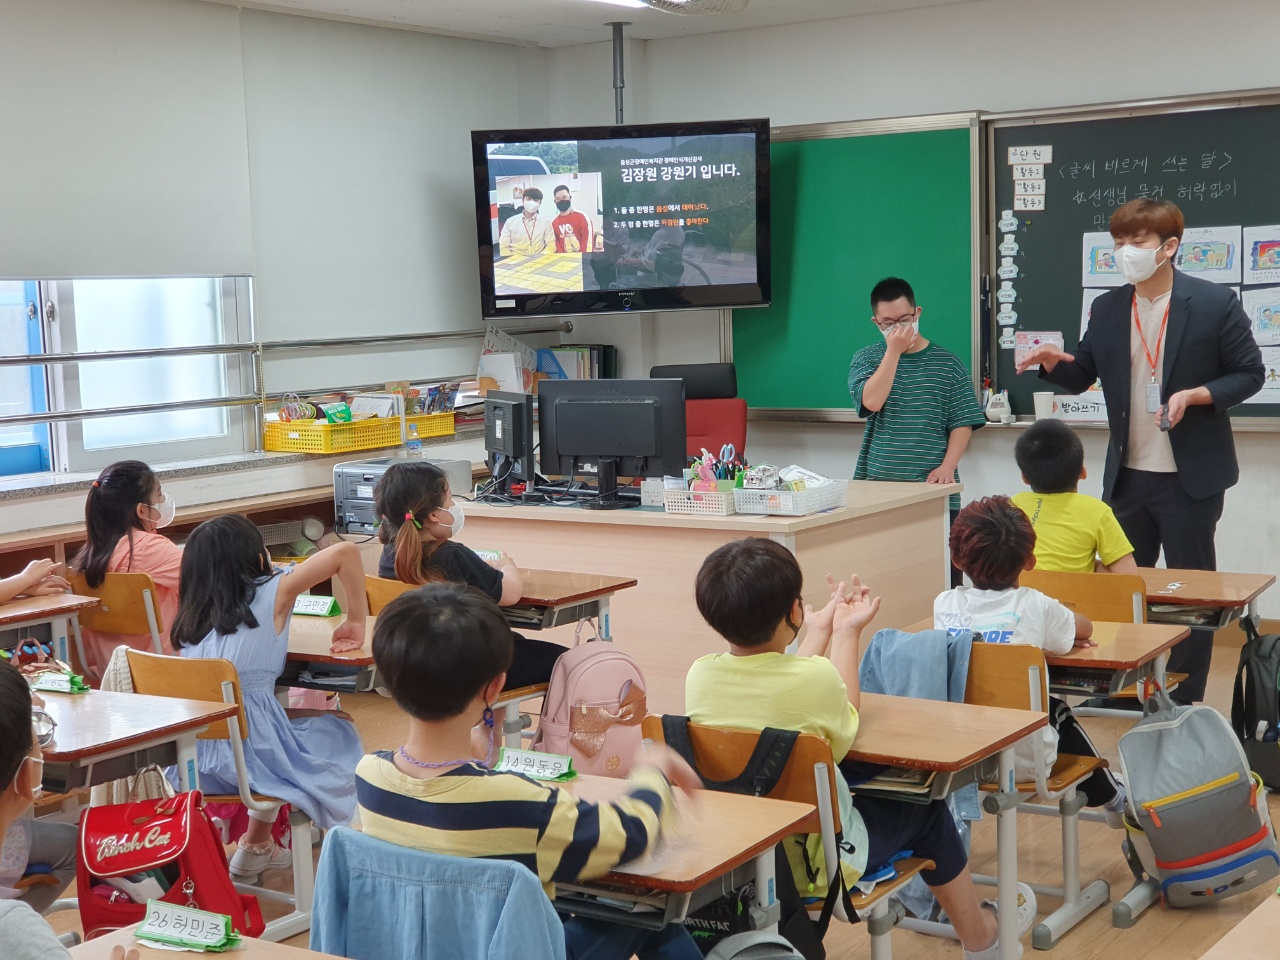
x=710, y=424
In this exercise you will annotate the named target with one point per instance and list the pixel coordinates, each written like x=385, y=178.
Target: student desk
x=551, y=598
x=717, y=835
x=103, y=736
x=1231, y=595
x=33, y=611
x=1129, y=651
x=1125, y=652
x=893, y=535
x=250, y=949
x=1253, y=938
x=953, y=738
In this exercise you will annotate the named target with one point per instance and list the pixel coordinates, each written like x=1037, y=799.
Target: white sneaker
x=247, y=866
x=1026, y=920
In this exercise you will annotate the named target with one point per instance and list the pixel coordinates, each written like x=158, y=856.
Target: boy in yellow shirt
x=749, y=592
x=1075, y=533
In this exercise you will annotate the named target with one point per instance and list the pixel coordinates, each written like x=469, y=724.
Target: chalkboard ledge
x=806, y=415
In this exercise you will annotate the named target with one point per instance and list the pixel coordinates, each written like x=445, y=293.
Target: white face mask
x=455, y=512
x=166, y=508
x=531, y=206
x=1137, y=263
x=915, y=330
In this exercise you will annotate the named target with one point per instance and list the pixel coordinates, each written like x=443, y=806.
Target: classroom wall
x=331, y=160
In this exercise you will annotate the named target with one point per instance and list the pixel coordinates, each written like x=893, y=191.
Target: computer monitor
x=508, y=441
x=611, y=428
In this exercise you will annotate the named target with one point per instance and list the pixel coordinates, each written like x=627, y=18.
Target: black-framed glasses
x=895, y=322
x=43, y=726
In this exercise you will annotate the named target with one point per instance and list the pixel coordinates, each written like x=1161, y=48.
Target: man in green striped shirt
x=919, y=402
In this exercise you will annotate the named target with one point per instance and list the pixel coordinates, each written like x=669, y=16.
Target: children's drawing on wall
x=1086, y=308
x=1100, y=268
x=1211, y=253
x=1261, y=254
x=1262, y=304
x=1270, y=392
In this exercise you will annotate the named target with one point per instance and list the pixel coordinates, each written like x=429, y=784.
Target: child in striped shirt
x=919, y=400
x=443, y=651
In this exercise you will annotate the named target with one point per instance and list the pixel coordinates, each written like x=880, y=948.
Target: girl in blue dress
x=236, y=606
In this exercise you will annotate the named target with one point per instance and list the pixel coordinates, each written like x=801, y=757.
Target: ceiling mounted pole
x=619, y=77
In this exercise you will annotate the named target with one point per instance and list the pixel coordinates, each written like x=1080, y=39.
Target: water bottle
x=413, y=445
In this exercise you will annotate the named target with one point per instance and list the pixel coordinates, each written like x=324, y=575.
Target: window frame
x=69, y=454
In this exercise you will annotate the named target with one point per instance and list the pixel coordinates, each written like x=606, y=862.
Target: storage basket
x=792, y=503
x=312, y=437
x=699, y=502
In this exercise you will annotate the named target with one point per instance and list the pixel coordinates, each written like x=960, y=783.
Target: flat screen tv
x=583, y=220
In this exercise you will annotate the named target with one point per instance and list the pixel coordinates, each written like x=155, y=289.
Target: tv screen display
x=616, y=219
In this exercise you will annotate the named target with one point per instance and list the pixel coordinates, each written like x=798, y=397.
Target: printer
x=353, y=484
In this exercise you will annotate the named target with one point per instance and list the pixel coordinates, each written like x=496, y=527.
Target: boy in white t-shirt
x=992, y=542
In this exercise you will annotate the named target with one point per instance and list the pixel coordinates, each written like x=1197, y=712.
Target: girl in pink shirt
x=124, y=510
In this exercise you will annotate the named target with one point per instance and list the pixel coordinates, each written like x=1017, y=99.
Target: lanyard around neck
x=1159, y=336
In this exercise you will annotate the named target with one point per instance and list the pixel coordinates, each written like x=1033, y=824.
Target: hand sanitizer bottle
x=413, y=445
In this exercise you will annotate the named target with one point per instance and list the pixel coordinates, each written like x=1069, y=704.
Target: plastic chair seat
x=235, y=798
x=1171, y=681
x=1068, y=770
x=907, y=869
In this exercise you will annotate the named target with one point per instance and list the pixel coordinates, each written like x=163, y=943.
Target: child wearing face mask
x=23, y=934
x=124, y=510
x=418, y=518
x=237, y=606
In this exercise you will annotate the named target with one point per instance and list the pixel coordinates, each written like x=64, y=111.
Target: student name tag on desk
x=58, y=681
x=489, y=556
x=186, y=928
x=309, y=606
x=538, y=766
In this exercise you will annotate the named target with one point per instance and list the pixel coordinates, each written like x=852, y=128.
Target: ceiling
x=558, y=23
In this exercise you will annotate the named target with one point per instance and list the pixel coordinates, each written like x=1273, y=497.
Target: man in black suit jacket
x=1174, y=354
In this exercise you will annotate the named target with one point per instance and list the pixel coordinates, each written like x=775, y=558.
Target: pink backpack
x=593, y=708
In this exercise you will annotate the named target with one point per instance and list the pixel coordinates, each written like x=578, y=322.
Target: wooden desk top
x=866, y=498
x=555, y=588
x=309, y=639
x=250, y=949
x=715, y=832
x=1206, y=588
x=26, y=609
x=934, y=734
x=1253, y=938
x=1123, y=646
x=99, y=721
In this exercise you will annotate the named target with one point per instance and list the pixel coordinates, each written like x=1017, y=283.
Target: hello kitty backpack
x=593, y=708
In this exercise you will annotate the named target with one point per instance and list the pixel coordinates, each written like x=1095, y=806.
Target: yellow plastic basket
x=309, y=437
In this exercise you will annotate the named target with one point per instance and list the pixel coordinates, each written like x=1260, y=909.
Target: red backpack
x=130, y=838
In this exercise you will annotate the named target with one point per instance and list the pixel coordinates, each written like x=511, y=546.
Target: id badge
x=1153, y=398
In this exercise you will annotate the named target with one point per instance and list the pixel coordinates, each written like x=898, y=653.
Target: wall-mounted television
x=579, y=220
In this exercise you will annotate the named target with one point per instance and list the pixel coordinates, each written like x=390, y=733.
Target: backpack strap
x=764, y=767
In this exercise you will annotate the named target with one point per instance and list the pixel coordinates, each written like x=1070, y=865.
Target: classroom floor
x=1158, y=934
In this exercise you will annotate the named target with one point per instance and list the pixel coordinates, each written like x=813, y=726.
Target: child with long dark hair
x=122, y=514
x=236, y=606
x=418, y=518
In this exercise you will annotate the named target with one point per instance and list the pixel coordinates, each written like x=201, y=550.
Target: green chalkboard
x=1217, y=164
x=847, y=212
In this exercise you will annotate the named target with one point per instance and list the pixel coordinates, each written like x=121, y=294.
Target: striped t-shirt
x=907, y=437
x=474, y=812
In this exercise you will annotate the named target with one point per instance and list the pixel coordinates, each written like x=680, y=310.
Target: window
x=103, y=315
x=24, y=448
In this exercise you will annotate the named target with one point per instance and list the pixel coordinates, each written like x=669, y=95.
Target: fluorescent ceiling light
x=636, y=4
